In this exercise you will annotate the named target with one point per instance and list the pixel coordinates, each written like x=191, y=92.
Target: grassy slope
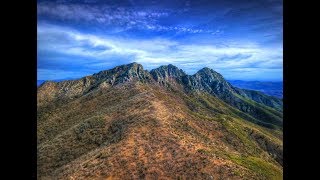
x=140, y=131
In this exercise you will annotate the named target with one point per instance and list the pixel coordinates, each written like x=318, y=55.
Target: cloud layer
x=117, y=18
x=241, y=39
x=59, y=47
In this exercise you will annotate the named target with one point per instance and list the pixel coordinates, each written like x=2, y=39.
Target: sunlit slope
x=144, y=129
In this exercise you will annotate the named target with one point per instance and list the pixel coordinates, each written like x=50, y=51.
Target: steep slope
x=263, y=109
x=259, y=97
x=168, y=74
x=49, y=90
x=126, y=123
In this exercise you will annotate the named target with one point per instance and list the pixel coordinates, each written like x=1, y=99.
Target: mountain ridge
x=205, y=80
x=129, y=123
x=177, y=73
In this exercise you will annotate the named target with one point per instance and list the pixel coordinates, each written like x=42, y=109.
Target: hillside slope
x=127, y=123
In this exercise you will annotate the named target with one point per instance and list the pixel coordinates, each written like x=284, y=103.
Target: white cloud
x=108, y=16
x=157, y=51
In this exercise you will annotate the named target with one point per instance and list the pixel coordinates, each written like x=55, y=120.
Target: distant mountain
x=127, y=122
x=269, y=88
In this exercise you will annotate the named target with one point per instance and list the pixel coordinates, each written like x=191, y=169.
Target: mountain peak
x=124, y=73
x=210, y=74
x=124, y=67
x=166, y=72
x=169, y=66
x=129, y=67
x=207, y=70
x=205, y=80
x=134, y=64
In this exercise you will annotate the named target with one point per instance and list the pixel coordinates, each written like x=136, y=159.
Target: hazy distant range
x=267, y=87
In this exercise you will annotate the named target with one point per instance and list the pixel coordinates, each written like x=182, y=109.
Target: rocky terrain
x=129, y=123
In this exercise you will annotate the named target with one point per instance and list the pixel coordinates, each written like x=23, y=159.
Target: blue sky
x=241, y=39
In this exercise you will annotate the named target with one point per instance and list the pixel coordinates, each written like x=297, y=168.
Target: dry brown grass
x=139, y=131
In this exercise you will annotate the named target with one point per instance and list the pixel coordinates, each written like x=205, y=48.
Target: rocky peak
x=205, y=80
x=206, y=70
x=103, y=79
x=164, y=73
x=130, y=69
x=209, y=74
x=208, y=80
x=124, y=73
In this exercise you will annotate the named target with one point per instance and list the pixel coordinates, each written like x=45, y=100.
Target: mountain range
x=268, y=87
x=130, y=123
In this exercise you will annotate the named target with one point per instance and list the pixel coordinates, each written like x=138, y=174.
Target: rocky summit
x=129, y=123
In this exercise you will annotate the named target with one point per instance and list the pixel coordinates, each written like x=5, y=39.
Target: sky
x=241, y=39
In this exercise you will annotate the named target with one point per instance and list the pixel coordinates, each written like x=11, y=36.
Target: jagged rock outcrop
x=121, y=74
x=205, y=80
x=212, y=82
x=127, y=123
x=166, y=74
x=50, y=90
x=208, y=80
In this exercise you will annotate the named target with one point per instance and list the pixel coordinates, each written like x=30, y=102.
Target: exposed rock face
x=121, y=74
x=208, y=80
x=205, y=80
x=212, y=82
x=73, y=88
x=163, y=74
x=127, y=123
